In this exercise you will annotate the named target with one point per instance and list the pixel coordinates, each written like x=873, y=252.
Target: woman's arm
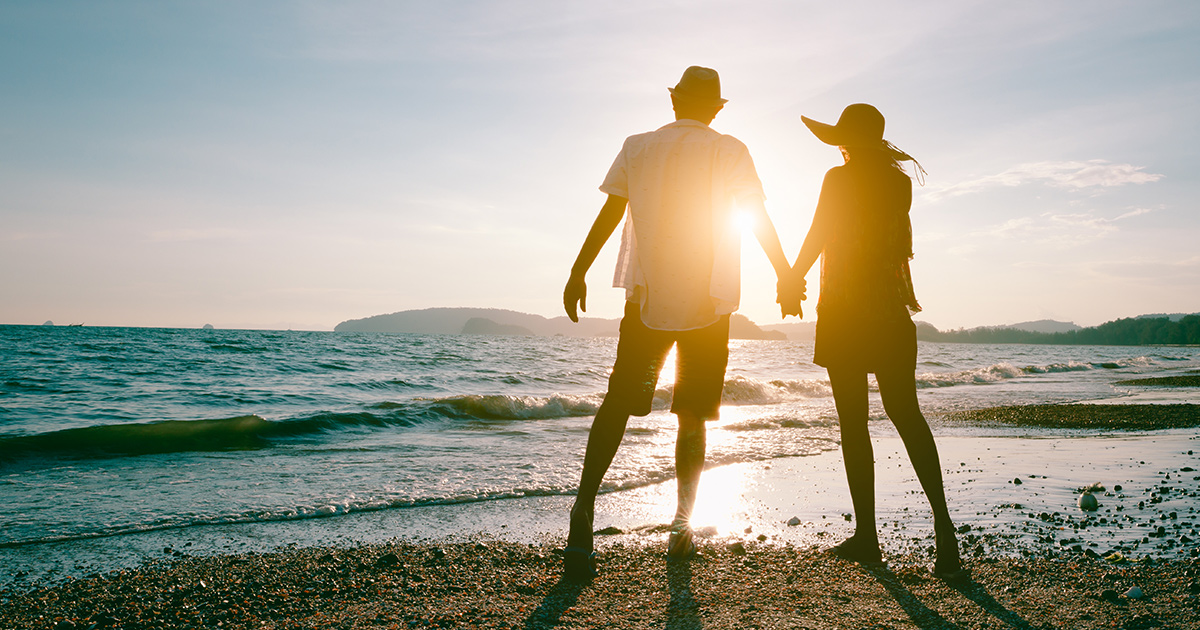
x=818, y=232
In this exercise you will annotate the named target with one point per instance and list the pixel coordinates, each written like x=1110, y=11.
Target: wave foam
x=1004, y=371
x=741, y=390
x=503, y=407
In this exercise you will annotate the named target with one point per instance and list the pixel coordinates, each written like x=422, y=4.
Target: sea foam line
x=1003, y=371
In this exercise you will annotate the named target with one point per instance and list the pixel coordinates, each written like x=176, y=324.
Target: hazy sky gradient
x=293, y=164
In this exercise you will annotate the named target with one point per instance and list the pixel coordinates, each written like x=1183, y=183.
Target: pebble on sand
x=1088, y=502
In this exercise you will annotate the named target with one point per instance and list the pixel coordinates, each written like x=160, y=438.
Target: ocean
x=111, y=432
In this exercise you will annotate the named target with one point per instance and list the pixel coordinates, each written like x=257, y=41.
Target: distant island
x=1157, y=329
x=495, y=321
x=1144, y=330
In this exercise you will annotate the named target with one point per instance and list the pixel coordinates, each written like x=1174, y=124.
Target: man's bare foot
x=681, y=545
x=580, y=534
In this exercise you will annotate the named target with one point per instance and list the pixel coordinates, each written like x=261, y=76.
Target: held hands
x=575, y=294
x=790, y=292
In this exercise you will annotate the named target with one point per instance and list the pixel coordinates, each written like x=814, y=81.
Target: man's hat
x=699, y=85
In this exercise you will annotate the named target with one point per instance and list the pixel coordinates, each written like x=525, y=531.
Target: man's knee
x=610, y=414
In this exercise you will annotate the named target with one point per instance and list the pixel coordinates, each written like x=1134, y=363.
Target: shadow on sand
x=683, y=613
x=928, y=618
x=560, y=598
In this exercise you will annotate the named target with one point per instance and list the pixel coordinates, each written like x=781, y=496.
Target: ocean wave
x=177, y=436
x=770, y=423
x=741, y=390
x=506, y=407
x=253, y=432
x=1004, y=371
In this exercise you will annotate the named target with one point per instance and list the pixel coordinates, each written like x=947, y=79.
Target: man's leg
x=850, y=398
x=605, y=437
x=640, y=355
x=689, y=463
x=700, y=361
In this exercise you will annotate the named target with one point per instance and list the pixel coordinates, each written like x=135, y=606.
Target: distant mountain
x=740, y=327
x=1130, y=331
x=1172, y=316
x=452, y=321
x=481, y=326
x=495, y=321
x=1044, y=326
x=1143, y=330
x=795, y=331
x=806, y=331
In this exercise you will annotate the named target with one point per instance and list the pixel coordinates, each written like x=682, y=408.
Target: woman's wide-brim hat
x=699, y=85
x=860, y=125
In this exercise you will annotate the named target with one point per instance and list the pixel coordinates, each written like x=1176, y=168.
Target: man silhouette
x=679, y=264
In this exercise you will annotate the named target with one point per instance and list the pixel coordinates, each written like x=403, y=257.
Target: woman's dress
x=866, y=302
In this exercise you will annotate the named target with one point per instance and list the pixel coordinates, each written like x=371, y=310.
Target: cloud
x=1158, y=270
x=185, y=235
x=1070, y=175
x=1059, y=230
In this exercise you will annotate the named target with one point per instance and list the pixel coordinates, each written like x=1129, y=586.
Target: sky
x=298, y=164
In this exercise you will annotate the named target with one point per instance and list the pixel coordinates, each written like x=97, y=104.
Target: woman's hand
x=789, y=293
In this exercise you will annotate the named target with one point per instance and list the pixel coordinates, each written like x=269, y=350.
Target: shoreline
x=1152, y=514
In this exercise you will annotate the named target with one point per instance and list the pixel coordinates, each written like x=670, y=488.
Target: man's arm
x=575, y=294
x=768, y=238
x=788, y=296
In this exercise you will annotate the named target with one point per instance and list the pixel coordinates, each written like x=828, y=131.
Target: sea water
x=108, y=432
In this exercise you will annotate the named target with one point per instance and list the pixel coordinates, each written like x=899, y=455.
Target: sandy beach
x=1037, y=559
x=510, y=585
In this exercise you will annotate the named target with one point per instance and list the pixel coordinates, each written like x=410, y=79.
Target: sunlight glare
x=667, y=374
x=743, y=220
x=720, y=503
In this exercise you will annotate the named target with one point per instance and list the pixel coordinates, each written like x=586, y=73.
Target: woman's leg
x=850, y=397
x=898, y=389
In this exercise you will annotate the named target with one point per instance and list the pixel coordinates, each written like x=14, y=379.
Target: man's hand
x=790, y=292
x=575, y=294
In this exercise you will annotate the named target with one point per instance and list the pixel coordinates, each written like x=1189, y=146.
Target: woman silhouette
x=862, y=232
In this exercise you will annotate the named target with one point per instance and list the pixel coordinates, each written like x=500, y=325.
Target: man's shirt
x=680, y=248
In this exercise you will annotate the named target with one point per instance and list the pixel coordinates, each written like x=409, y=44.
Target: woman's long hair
x=889, y=153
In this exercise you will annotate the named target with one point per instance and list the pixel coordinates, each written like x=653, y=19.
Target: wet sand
x=1109, y=416
x=1186, y=380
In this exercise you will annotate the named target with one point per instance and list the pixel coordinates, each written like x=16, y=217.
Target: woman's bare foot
x=859, y=548
x=948, y=565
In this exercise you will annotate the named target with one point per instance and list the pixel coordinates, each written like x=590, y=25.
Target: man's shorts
x=700, y=359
